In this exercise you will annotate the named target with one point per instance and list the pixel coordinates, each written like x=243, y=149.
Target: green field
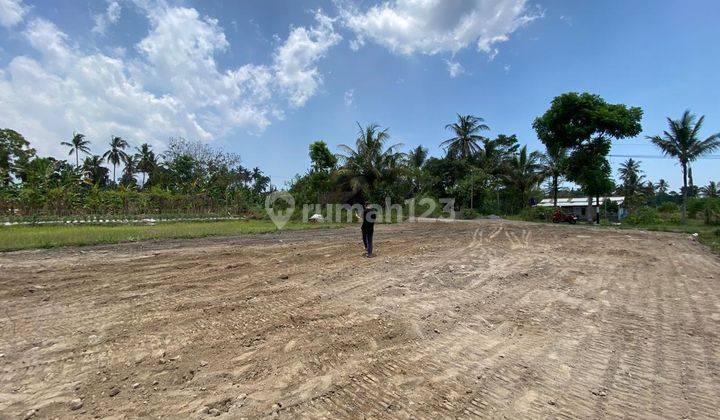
x=28, y=237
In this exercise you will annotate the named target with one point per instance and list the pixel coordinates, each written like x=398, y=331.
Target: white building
x=578, y=205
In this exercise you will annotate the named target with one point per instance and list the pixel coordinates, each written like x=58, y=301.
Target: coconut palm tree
x=662, y=186
x=554, y=162
x=524, y=171
x=682, y=143
x=632, y=177
x=146, y=160
x=415, y=160
x=711, y=190
x=130, y=163
x=494, y=153
x=465, y=142
x=116, y=153
x=370, y=161
x=417, y=156
x=78, y=144
x=95, y=172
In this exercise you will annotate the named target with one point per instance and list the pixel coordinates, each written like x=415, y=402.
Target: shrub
x=468, y=213
x=536, y=213
x=668, y=207
x=644, y=216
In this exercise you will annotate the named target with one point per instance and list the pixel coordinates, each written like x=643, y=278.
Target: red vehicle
x=560, y=217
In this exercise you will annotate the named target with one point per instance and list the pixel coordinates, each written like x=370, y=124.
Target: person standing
x=369, y=215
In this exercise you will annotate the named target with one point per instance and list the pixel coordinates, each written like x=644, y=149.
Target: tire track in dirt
x=476, y=319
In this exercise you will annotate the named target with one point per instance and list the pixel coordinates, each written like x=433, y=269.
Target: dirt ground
x=476, y=319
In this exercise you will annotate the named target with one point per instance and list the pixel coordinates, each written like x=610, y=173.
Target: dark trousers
x=367, y=241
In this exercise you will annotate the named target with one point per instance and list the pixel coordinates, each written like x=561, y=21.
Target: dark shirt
x=368, y=219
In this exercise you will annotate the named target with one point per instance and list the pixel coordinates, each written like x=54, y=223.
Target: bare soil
x=481, y=319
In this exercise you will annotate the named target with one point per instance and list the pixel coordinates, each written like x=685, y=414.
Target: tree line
x=484, y=174
x=188, y=178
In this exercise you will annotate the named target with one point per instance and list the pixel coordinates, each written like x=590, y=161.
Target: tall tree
x=585, y=124
x=464, y=143
x=682, y=142
x=78, y=144
x=631, y=175
x=130, y=163
x=524, y=172
x=321, y=157
x=116, y=153
x=710, y=190
x=415, y=160
x=370, y=161
x=633, y=183
x=15, y=153
x=495, y=153
x=554, y=163
x=417, y=156
x=662, y=186
x=146, y=160
x=261, y=182
x=94, y=171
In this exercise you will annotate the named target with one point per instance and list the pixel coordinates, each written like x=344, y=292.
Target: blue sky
x=266, y=78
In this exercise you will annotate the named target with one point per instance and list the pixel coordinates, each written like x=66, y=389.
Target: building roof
x=578, y=201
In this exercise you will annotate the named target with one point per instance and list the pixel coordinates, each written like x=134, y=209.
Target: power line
x=708, y=157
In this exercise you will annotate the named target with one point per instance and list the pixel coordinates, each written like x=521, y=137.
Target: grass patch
x=29, y=237
x=707, y=234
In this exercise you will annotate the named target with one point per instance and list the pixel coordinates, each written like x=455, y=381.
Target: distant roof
x=578, y=201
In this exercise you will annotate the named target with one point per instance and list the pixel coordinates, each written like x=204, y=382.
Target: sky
x=266, y=78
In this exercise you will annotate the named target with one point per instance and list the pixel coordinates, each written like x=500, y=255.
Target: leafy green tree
x=78, y=144
x=370, y=161
x=466, y=139
x=321, y=157
x=442, y=174
x=40, y=173
x=473, y=189
x=116, y=154
x=682, y=142
x=317, y=182
x=588, y=167
x=15, y=152
x=146, y=160
x=185, y=172
x=585, y=124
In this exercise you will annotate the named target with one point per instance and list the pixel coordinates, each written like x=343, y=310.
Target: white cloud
x=109, y=17
x=295, y=59
x=434, y=26
x=12, y=12
x=173, y=86
x=454, y=68
x=348, y=97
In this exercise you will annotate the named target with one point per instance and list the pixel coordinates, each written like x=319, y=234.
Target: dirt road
x=482, y=319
